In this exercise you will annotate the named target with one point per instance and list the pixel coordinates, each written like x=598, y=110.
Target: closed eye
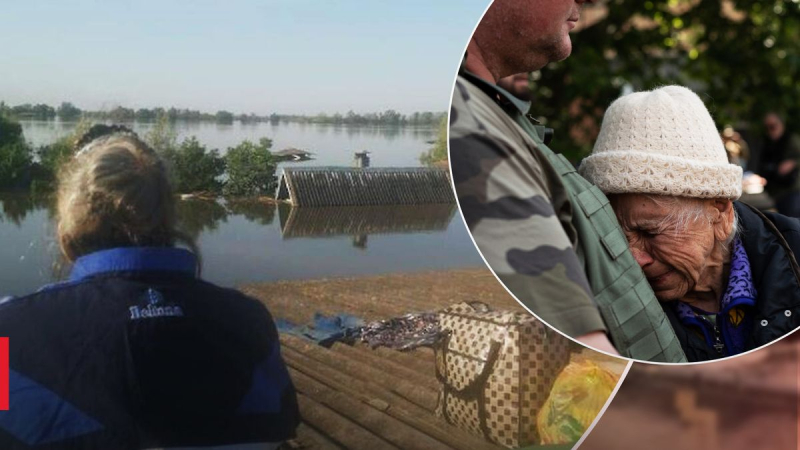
x=647, y=233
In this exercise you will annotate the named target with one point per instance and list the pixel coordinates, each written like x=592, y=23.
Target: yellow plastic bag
x=578, y=395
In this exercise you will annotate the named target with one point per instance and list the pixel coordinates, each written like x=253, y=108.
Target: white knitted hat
x=661, y=142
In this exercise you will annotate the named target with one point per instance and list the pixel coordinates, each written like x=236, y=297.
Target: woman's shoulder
x=230, y=295
x=755, y=222
x=138, y=296
x=750, y=217
x=784, y=224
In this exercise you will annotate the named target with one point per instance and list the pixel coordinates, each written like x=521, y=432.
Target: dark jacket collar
x=134, y=259
x=777, y=308
x=769, y=261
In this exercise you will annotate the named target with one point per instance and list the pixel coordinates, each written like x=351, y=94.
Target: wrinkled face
x=674, y=256
x=528, y=34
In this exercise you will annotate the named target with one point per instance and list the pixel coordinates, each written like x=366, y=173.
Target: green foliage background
x=741, y=57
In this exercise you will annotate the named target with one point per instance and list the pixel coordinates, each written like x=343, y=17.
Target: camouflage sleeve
x=504, y=199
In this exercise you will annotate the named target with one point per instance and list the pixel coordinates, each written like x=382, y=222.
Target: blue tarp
x=325, y=330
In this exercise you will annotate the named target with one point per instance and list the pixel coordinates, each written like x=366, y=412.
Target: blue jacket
x=134, y=351
x=772, y=244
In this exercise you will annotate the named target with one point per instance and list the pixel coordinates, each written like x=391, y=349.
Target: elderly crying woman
x=726, y=274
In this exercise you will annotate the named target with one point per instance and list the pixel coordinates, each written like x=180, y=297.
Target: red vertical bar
x=3, y=374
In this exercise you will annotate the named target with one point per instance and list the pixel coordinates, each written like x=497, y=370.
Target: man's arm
x=505, y=201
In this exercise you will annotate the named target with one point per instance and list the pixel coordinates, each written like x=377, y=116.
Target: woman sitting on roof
x=135, y=350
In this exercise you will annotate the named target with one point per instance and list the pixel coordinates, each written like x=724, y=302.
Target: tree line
x=68, y=112
x=741, y=57
x=247, y=169
x=437, y=153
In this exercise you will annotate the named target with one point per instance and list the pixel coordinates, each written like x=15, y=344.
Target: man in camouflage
x=548, y=234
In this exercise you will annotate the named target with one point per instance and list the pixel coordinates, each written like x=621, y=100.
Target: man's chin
x=563, y=51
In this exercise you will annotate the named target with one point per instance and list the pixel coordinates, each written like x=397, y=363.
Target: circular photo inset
x=618, y=188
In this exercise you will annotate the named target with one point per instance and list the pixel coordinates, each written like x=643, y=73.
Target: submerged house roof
x=341, y=186
x=292, y=154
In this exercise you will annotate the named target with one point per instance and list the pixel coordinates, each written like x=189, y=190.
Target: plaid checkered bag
x=496, y=369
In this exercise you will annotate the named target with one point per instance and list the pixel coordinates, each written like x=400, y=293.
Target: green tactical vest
x=636, y=323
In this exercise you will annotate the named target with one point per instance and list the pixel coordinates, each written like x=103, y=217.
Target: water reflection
x=196, y=216
x=16, y=206
x=362, y=221
x=242, y=242
x=256, y=211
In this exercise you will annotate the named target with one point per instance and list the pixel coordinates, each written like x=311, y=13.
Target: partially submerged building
x=345, y=186
x=292, y=154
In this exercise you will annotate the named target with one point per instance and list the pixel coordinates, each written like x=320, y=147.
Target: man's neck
x=477, y=65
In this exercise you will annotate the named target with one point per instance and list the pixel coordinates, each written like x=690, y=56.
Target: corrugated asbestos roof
x=341, y=186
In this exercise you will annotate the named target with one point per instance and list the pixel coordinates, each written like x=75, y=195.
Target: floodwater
x=331, y=144
x=249, y=241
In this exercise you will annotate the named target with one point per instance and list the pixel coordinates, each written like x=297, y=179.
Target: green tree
x=145, y=115
x=15, y=164
x=194, y=168
x=68, y=111
x=15, y=155
x=251, y=169
x=438, y=152
x=390, y=117
x=224, y=117
x=10, y=131
x=121, y=114
x=39, y=111
x=162, y=137
x=53, y=156
x=742, y=58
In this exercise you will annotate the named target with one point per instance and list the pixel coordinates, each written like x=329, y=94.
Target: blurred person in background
x=737, y=149
x=752, y=184
x=134, y=350
x=548, y=234
x=726, y=273
x=779, y=161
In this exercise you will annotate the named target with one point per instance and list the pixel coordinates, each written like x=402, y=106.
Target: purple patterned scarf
x=735, y=318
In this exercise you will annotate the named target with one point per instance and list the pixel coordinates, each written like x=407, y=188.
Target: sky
x=285, y=56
